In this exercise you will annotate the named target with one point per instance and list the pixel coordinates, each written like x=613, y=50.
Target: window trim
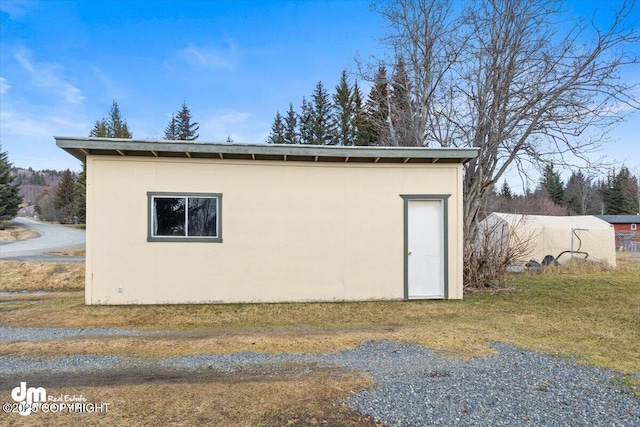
x=203, y=239
x=634, y=227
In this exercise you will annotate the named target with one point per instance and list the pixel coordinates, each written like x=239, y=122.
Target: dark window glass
x=203, y=216
x=170, y=217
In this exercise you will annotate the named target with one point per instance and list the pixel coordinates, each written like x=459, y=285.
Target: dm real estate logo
x=26, y=397
x=29, y=400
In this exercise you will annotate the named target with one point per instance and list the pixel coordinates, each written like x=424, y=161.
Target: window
x=634, y=227
x=193, y=217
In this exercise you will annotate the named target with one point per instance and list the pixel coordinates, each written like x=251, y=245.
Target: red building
x=627, y=229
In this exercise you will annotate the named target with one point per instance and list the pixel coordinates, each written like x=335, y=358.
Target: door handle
x=409, y=253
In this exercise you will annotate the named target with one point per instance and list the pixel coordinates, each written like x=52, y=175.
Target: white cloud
x=20, y=56
x=27, y=134
x=16, y=9
x=47, y=77
x=4, y=86
x=111, y=88
x=218, y=127
x=211, y=57
x=26, y=124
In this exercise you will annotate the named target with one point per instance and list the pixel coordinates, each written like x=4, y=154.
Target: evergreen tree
x=580, y=195
x=64, y=198
x=80, y=195
x=115, y=127
x=363, y=132
x=171, y=131
x=44, y=206
x=185, y=128
x=38, y=179
x=628, y=184
x=306, y=121
x=100, y=129
x=611, y=199
x=620, y=193
x=400, y=108
x=506, y=191
x=553, y=184
x=291, y=135
x=323, y=130
x=344, y=116
x=378, y=108
x=277, y=131
x=9, y=198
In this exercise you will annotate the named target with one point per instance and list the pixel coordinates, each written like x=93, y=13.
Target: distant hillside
x=32, y=183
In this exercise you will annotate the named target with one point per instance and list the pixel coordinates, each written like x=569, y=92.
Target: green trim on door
x=445, y=213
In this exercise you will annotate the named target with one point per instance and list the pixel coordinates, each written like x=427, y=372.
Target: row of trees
x=615, y=194
x=344, y=118
x=30, y=177
x=180, y=127
x=336, y=119
x=67, y=203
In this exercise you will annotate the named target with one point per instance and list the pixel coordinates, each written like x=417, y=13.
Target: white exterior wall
x=292, y=231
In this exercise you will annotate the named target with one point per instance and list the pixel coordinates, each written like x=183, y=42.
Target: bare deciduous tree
x=516, y=78
x=496, y=246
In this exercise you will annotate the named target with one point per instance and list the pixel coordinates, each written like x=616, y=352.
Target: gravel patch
x=512, y=388
x=414, y=387
x=78, y=363
x=12, y=334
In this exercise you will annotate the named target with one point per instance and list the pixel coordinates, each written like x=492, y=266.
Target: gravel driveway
x=413, y=387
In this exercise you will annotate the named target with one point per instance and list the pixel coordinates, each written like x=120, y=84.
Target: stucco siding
x=291, y=231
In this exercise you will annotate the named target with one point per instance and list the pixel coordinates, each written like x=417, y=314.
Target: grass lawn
x=590, y=314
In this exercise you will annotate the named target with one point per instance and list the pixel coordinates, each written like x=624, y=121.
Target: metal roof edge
x=620, y=219
x=85, y=144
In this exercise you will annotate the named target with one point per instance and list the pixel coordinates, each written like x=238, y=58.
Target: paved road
x=52, y=238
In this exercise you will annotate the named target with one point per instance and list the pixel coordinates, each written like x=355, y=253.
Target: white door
x=425, y=243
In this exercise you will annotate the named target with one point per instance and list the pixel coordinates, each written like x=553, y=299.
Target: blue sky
x=235, y=63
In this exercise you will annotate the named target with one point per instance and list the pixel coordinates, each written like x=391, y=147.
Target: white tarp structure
x=551, y=235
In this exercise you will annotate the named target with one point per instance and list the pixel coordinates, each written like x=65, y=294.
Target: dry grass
x=48, y=276
x=278, y=396
x=80, y=252
x=76, y=226
x=591, y=315
x=14, y=232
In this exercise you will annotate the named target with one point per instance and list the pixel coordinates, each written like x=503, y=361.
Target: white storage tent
x=593, y=238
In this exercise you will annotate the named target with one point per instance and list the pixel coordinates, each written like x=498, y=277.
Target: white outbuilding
x=182, y=222
x=561, y=237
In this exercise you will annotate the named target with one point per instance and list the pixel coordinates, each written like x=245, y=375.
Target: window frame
x=151, y=195
x=634, y=227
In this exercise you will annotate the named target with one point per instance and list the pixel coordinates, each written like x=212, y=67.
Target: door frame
x=444, y=198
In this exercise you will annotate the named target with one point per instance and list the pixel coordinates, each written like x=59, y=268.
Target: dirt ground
x=278, y=395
